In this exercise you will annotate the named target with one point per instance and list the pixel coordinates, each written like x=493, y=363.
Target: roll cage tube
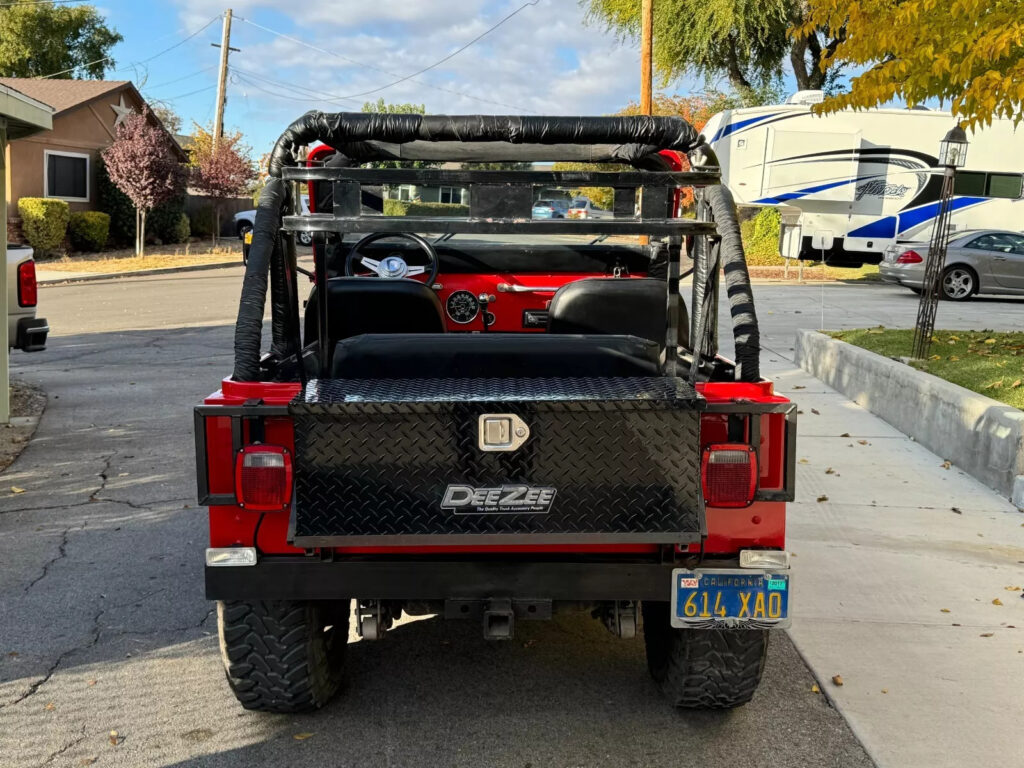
x=633, y=140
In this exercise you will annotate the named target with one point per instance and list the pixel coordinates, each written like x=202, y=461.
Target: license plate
x=743, y=598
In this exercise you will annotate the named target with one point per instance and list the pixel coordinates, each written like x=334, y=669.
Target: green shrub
x=404, y=208
x=88, y=230
x=760, y=237
x=201, y=221
x=768, y=224
x=44, y=221
x=180, y=232
x=164, y=221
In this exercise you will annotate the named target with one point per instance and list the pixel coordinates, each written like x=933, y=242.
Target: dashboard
x=510, y=303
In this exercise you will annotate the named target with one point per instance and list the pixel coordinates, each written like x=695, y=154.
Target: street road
x=103, y=624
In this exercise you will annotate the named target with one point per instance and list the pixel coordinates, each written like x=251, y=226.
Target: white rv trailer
x=854, y=183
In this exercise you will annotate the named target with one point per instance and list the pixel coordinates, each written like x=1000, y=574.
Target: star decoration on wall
x=122, y=111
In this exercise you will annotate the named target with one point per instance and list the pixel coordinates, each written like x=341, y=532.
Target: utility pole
x=646, y=55
x=222, y=80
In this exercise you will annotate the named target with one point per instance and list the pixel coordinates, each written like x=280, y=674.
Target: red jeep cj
x=495, y=430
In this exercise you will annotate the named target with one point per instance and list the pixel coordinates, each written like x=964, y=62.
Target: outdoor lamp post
x=952, y=155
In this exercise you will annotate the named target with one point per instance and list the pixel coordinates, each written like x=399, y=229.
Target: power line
x=183, y=77
x=451, y=55
x=378, y=69
x=180, y=42
x=190, y=93
x=253, y=78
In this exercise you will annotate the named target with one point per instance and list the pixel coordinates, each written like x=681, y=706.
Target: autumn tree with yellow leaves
x=968, y=54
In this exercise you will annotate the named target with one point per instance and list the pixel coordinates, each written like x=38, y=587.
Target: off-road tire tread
x=277, y=656
x=703, y=668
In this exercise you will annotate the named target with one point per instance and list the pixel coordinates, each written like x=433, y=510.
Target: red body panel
x=761, y=525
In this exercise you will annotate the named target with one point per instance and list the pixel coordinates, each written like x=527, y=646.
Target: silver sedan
x=979, y=261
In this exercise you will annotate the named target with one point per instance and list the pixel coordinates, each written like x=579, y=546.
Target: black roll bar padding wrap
x=249, y=327
x=746, y=335
x=343, y=128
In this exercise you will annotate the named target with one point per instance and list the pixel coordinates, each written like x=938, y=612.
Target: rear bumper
x=912, y=276
x=303, y=578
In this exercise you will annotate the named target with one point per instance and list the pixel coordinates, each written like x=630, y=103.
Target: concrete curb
x=981, y=436
x=88, y=278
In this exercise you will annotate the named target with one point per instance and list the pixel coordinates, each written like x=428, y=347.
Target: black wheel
x=304, y=238
x=959, y=283
x=283, y=657
x=915, y=291
x=703, y=668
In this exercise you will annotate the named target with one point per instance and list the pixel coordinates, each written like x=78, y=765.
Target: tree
x=166, y=115
x=220, y=172
x=968, y=53
x=696, y=110
x=747, y=41
x=382, y=107
x=142, y=163
x=38, y=39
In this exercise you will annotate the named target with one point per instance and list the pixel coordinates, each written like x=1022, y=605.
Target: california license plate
x=706, y=598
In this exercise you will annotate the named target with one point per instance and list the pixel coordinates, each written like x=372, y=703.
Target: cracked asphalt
x=108, y=651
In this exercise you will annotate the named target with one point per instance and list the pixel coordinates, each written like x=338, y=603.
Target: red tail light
x=729, y=475
x=909, y=257
x=263, y=478
x=28, y=292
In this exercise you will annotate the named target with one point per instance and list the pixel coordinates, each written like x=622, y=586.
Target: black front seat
x=627, y=306
x=357, y=305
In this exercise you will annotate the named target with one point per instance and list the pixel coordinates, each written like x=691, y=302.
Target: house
x=61, y=163
x=429, y=193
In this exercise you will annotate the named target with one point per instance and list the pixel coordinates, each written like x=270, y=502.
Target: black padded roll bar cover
x=249, y=327
x=346, y=127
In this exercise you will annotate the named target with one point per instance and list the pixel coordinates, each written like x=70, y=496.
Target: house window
x=66, y=175
x=406, y=192
x=451, y=195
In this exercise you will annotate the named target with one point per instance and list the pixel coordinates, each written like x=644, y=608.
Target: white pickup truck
x=24, y=330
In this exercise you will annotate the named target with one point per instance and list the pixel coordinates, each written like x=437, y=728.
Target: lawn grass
x=986, y=362
x=155, y=257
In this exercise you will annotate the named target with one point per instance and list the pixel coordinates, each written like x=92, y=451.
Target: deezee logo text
x=506, y=499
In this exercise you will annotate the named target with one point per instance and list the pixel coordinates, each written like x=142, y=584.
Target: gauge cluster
x=462, y=307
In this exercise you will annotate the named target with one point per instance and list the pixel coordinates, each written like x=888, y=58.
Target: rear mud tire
x=283, y=657
x=703, y=668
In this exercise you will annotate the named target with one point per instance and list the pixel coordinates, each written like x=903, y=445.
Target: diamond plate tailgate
x=375, y=462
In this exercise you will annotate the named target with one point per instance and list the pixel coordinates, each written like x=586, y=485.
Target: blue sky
x=543, y=60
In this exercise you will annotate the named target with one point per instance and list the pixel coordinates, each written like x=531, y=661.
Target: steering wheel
x=393, y=266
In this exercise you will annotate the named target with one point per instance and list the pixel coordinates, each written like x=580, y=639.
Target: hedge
x=404, y=208
x=44, y=221
x=88, y=230
x=761, y=238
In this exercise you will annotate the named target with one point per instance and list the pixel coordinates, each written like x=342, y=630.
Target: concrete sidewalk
x=898, y=562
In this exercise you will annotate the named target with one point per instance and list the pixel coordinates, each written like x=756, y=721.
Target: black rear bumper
x=31, y=334
x=303, y=578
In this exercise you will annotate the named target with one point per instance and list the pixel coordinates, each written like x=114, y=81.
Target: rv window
x=1006, y=185
x=970, y=183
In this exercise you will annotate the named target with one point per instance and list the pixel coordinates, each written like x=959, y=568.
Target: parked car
x=24, y=330
x=978, y=261
x=583, y=208
x=244, y=223
x=550, y=209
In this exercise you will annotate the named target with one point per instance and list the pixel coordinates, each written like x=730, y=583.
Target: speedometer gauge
x=462, y=307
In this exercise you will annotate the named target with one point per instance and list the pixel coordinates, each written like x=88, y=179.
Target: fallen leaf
x=91, y=682
x=943, y=610
x=804, y=461
x=935, y=357
x=885, y=690
x=830, y=471
x=822, y=498
x=955, y=624
x=815, y=688
x=115, y=738
x=997, y=601
x=799, y=386
x=1012, y=589
x=990, y=341
x=1015, y=384
x=302, y=736
x=957, y=510
x=994, y=385
x=16, y=489
x=845, y=434
x=87, y=761
x=987, y=634
x=863, y=442
x=815, y=411
x=947, y=464
x=50, y=706
x=837, y=680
